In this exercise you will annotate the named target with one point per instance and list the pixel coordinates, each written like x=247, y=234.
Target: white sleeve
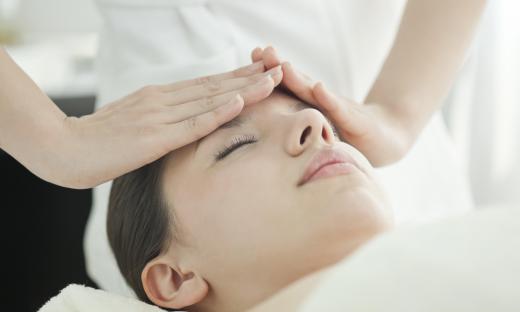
x=160, y=41
x=149, y=42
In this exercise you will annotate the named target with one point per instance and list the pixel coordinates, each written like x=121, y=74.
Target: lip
x=328, y=162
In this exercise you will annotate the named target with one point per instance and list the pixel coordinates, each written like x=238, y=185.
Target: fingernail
x=237, y=98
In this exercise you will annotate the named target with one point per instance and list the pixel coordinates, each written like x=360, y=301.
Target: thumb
x=347, y=115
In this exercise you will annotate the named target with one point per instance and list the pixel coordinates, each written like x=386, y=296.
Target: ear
x=169, y=286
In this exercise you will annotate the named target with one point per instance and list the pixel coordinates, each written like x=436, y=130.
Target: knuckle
x=207, y=102
x=154, y=98
x=217, y=114
x=148, y=90
x=237, y=73
x=192, y=123
x=157, y=109
x=212, y=85
x=202, y=80
x=254, y=78
x=145, y=131
x=197, y=127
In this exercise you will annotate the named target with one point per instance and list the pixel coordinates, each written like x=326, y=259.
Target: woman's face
x=245, y=222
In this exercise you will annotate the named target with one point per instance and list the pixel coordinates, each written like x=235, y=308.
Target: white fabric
x=483, y=110
x=79, y=298
x=462, y=264
x=342, y=43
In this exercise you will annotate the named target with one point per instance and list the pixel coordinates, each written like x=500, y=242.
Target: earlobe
x=170, y=287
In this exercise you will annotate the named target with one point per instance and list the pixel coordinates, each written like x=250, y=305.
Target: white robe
x=341, y=43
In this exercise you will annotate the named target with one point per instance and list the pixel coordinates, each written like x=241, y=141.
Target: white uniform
x=342, y=43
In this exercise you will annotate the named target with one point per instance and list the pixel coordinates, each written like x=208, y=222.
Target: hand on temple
x=370, y=127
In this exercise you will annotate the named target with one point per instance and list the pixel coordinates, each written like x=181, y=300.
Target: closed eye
x=236, y=143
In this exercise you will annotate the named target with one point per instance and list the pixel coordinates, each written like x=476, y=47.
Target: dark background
x=41, y=230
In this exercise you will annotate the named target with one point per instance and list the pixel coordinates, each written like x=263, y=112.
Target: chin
x=357, y=213
x=346, y=227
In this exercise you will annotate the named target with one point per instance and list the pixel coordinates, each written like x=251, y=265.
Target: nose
x=308, y=128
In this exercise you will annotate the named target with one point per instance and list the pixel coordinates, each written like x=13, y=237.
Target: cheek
x=229, y=204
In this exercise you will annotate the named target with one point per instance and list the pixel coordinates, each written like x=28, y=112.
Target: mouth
x=327, y=163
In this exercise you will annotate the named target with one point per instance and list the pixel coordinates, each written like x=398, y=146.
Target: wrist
x=74, y=153
x=396, y=130
x=57, y=160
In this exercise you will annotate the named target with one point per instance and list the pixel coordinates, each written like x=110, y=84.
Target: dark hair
x=140, y=225
x=139, y=222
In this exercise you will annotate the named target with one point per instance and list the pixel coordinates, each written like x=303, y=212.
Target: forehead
x=278, y=101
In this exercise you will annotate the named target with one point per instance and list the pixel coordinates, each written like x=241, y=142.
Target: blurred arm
x=30, y=122
x=428, y=51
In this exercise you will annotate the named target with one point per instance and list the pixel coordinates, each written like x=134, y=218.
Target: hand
x=153, y=121
x=371, y=128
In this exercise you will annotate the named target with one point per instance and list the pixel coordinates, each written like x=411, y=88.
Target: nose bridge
x=308, y=128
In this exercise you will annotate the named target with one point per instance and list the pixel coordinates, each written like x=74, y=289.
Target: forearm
x=428, y=51
x=30, y=123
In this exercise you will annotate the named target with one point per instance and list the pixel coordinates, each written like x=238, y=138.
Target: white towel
x=79, y=298
x=469, y=263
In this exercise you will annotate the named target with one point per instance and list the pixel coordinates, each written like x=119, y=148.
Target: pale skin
x=428, y=51
x=241, y=220
x=407, y=92
x=416, y=76
x=123, y=135
x=85, y=152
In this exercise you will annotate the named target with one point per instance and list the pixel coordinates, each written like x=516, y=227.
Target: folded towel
x=79, y=298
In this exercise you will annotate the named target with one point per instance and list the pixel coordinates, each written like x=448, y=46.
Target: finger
x=194, y=128
x=298, y=84
x=270, y=57
x=256, y=93
x=249, y=94
x=341, y=112
x=327, y=101
x=248, y=70
x=256, y=54
x=215, y=88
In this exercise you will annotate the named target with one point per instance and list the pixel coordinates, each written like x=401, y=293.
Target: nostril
x=324, y=134
x=305, y=134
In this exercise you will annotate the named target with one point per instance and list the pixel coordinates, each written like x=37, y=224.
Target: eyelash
x=235, y=144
